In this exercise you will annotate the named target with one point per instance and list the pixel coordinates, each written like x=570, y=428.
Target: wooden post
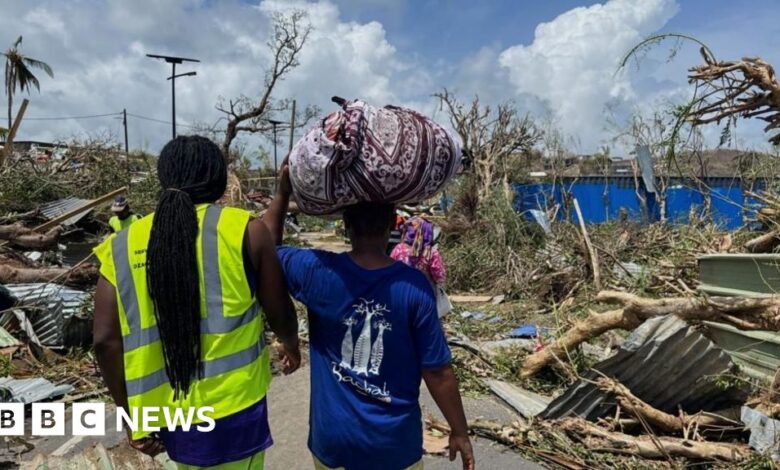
x=9, y=140
x=594, y=260
x=292, y=128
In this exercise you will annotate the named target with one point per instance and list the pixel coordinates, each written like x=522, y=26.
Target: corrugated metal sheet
x=744, y=275
x=664, y=362
x=55, y=209
x=49, y=308
x=30, y=390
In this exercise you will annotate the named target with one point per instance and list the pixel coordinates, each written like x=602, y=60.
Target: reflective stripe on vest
x=214, y=323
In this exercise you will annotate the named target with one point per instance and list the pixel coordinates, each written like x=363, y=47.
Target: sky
x=556, y=60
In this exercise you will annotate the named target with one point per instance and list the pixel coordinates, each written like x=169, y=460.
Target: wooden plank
x=89, y=205
x=527, y=403
x=471, y=299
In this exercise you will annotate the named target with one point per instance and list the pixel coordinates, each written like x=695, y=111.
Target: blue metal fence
x=604, y=199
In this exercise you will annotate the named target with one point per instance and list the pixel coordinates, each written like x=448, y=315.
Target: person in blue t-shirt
x=374, y=335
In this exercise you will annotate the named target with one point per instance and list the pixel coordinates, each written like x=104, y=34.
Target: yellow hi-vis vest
x=118, y=224
x=235, y=362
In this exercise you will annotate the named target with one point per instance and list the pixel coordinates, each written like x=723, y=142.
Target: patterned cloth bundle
x=364, y=153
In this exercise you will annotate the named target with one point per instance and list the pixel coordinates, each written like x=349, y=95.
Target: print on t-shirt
x=361, y=356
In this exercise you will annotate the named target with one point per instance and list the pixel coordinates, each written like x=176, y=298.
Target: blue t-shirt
x=371, y=334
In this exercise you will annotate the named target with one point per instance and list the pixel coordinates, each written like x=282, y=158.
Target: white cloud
x=572, y=61
x=97, y=51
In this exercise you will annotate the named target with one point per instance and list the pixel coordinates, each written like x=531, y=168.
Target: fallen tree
x=650, y=447
x=682, y=424
x=745, y=314
x=23, y=237
x=78, y=276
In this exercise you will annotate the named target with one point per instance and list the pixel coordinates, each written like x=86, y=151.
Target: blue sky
x=554, y=59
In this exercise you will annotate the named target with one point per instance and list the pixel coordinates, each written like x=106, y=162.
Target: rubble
x=665, y=363
x=528, y=404
x=30, y=390
x=764, y=432
x=50, y=315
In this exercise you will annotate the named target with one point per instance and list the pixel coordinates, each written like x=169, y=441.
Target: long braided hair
x=192, y=171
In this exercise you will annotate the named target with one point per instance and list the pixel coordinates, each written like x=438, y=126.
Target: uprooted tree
x=492, y=140
x=251, y=115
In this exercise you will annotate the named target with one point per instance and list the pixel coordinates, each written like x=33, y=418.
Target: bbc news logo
x=89, y=419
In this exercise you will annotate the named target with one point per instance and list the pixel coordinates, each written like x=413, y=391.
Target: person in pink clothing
x=417, y=249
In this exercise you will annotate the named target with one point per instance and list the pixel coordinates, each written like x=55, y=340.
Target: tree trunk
x=764, y=243
x=651, y=447
x=86, y=274
x=745, y=314
x=21, y=236
x=659, y=419
x=592, y=326
x=10, y=93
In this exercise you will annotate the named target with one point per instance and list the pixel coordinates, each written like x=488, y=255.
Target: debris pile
x=622, y=344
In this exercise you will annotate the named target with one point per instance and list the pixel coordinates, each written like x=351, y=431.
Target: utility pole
x=127, y=147
x=124, y=123
x=292, y=127
x=173, y=61
x=275, y=123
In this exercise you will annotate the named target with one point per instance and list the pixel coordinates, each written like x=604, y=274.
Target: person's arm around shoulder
x=274, y=216
x=439, y=377
x=273, y=294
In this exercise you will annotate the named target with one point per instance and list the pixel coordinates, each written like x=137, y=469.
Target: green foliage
x=490, y=255
x=86, y=170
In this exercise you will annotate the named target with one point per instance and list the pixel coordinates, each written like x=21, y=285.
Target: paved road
x=289, y=408
x=288, y=402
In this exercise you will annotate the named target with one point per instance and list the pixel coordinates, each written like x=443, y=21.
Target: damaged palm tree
x=745, y=88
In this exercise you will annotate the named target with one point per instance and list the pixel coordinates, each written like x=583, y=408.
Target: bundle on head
x=192, y=171
x=362, y=153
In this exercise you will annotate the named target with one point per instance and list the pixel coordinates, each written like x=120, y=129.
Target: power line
x=161, y=121
x=63, y=118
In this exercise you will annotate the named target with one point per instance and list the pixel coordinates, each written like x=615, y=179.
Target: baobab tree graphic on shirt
x=357, y=357
x=378, y=349
x=346, y=344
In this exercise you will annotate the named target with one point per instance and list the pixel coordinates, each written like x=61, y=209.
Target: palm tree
x=18, y=74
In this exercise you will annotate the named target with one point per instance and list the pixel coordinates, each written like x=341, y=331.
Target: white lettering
x=206, y=418
x=172, y=422
x=122, y=418
x=150, y=416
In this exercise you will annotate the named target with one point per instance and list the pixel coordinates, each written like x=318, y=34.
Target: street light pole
x=173, y=61
x=173, y=99
x=173, y=78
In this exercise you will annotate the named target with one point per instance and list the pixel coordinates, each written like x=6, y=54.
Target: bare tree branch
x=290, y=33
x=490, y=140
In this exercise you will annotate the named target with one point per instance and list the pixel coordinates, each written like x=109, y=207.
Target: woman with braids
x=178, y=322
